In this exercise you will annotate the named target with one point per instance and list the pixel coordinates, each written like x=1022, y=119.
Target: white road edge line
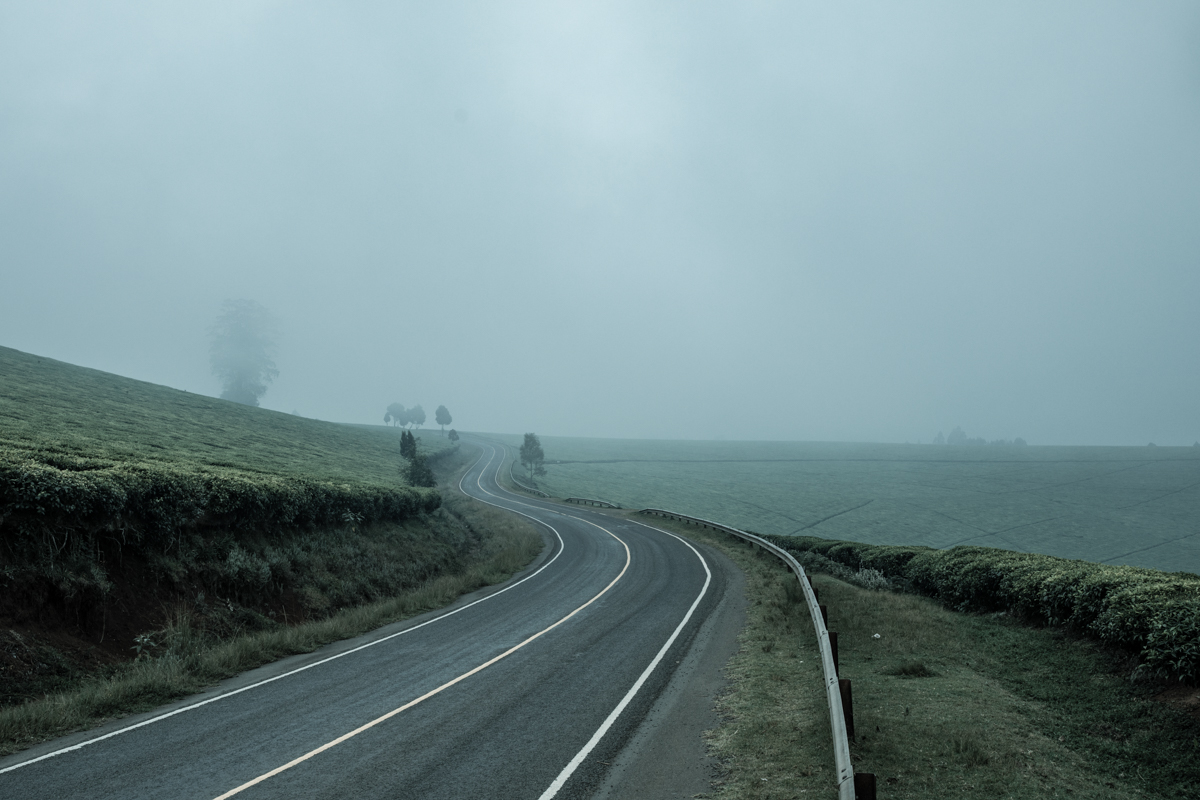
x=570, y=768
x=383, y=718
x=194, y=706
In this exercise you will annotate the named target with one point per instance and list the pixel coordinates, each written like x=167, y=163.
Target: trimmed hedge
x=48, y=497
x=1154, y=614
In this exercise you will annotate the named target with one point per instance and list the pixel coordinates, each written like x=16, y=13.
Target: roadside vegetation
x=198, y=643
x=153, y=541
x=1153, y=615
x=947, y=704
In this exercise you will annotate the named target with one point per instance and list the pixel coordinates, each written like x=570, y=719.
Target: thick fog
x=772, y=220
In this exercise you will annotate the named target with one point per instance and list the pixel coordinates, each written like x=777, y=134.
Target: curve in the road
x=539, y=716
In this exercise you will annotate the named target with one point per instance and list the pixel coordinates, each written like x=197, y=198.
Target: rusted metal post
x=833, y=649
x=864, y=786
x=847, y=705
x=824, y=614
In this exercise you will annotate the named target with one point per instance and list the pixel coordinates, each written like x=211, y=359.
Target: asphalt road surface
x=531, y=689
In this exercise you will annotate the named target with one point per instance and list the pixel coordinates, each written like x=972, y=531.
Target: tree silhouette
x=532, y=456
x=243, y=338
x=408, y=445
x=443, y=418
x=396, y=415
x=416, y=416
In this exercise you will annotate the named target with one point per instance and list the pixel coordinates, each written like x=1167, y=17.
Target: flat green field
x=1117, y=505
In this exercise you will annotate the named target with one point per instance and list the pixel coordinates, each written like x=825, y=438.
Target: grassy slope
x=1122, y=505
x=208, y=599
x=47, y=403
x=184, y=656
x=1000, y=710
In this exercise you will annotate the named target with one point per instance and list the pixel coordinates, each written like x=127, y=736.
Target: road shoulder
x=667, y=757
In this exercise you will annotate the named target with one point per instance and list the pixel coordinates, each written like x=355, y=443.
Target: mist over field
x=743, y=220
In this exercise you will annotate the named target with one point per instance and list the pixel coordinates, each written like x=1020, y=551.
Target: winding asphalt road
x=526, y=690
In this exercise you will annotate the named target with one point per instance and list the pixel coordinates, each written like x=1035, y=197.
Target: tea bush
x=1154, y=614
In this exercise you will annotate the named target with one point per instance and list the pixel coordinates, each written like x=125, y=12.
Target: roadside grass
x=188, y=660
x=947, y=704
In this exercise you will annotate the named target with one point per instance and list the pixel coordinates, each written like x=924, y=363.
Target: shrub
x=1154, y=614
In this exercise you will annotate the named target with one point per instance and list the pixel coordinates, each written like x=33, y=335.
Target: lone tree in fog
x=396, y=415
x=416, y=416
x=443, y=418
x=532, y=457
x=453, y=435
x=243, y=338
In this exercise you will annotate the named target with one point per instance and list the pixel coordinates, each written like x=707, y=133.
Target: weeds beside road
x=947, y=704
x=186, y=659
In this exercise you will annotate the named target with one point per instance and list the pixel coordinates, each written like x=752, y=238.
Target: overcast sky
x=769, y=220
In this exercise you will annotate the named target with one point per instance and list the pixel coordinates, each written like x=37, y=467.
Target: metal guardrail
x=588, y=501
x=837, y=717
x=524, y=486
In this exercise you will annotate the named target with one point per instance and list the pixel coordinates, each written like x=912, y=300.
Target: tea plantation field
x=53, y=407
x=1116, y=505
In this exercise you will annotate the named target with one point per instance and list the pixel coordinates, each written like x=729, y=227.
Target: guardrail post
x=824, y=615
x=847, y=705
x=833, y=649
x=864, y=786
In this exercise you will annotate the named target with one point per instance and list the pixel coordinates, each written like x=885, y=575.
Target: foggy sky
x=773, y=220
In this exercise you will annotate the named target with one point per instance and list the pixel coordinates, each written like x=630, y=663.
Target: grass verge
x=947, y=704
x=190, y=661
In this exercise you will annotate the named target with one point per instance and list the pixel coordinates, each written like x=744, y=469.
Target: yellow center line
x=431, y=693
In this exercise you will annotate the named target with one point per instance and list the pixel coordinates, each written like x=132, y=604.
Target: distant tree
x=396, y=415
x=453, y=435
x=443, y=418
x=957, y=436
x=1019, y=442
x=243, y=339
x=939, y=439
x=408, y=444
x=532, y=456
x=418, y=472
x=416, y=416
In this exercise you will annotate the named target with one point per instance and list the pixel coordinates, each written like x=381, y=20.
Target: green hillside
x=47, y=405
x=119, y=498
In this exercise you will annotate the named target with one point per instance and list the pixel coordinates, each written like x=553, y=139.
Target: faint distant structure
x=957, y=436
x=243, y=339
x=939, y=439
x=443, y=418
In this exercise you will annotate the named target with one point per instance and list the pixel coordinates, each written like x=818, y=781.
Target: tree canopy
x=443, y=418
x=396, y=415
x=243, y=338
x=532, y=455
x=408, y=444
x=416, y=416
